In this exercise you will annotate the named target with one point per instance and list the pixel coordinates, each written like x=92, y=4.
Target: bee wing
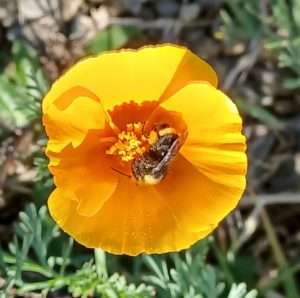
x=164, y=163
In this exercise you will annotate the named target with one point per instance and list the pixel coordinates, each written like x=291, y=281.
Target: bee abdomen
x=151, y=167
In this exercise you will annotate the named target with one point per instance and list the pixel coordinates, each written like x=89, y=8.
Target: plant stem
x=55, y=283
x=288, y=280
x=223, y=262
x=278, y=280
x=100, y=261
x=29, y=266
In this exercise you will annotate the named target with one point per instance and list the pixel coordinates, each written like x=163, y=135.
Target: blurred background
x=255, y=47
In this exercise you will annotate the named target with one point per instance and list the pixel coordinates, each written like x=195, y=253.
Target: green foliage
x=285, y=41
x=188, y=275
x=87, y=281
x=43, y=175
x=275, y=23
x=112, y=38
x=22, y=86
x=240, y=291
x=10, y=101
x=260, y=113
x=241, y=22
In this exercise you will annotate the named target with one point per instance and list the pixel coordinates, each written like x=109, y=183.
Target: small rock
x=285, y=177
x=85, y=27
x=71, y=8
x=189, y=12
x=297, y=163
x=167, y=8
x=284, y=107
x=134, y=6
x=8, y=12
x=33, y=10
x=59, y=10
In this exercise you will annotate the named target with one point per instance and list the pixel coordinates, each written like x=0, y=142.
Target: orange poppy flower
x=147, y=154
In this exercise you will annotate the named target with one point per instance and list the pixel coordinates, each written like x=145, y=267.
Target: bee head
x=164, y=129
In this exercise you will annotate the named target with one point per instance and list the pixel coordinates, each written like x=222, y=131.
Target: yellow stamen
x=153, y=137
x=130, y=143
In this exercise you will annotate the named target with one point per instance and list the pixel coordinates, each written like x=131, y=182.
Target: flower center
x=131, y=142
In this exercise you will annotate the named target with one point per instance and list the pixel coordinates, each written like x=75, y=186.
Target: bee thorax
x=151, y=167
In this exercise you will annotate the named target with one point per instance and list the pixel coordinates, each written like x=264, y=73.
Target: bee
x=151, y=167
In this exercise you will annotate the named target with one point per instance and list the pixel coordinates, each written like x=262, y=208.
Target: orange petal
x=133, y=75
x=191, y=68
x=205, y=110
x=224, y=166
x=134, y=220
x=85, y=172
x=71, y=124
x=215, y=144
x=131, y=112
x=196, y=200
x=111, y=79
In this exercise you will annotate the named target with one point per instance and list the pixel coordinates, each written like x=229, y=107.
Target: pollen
x=131, y=143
